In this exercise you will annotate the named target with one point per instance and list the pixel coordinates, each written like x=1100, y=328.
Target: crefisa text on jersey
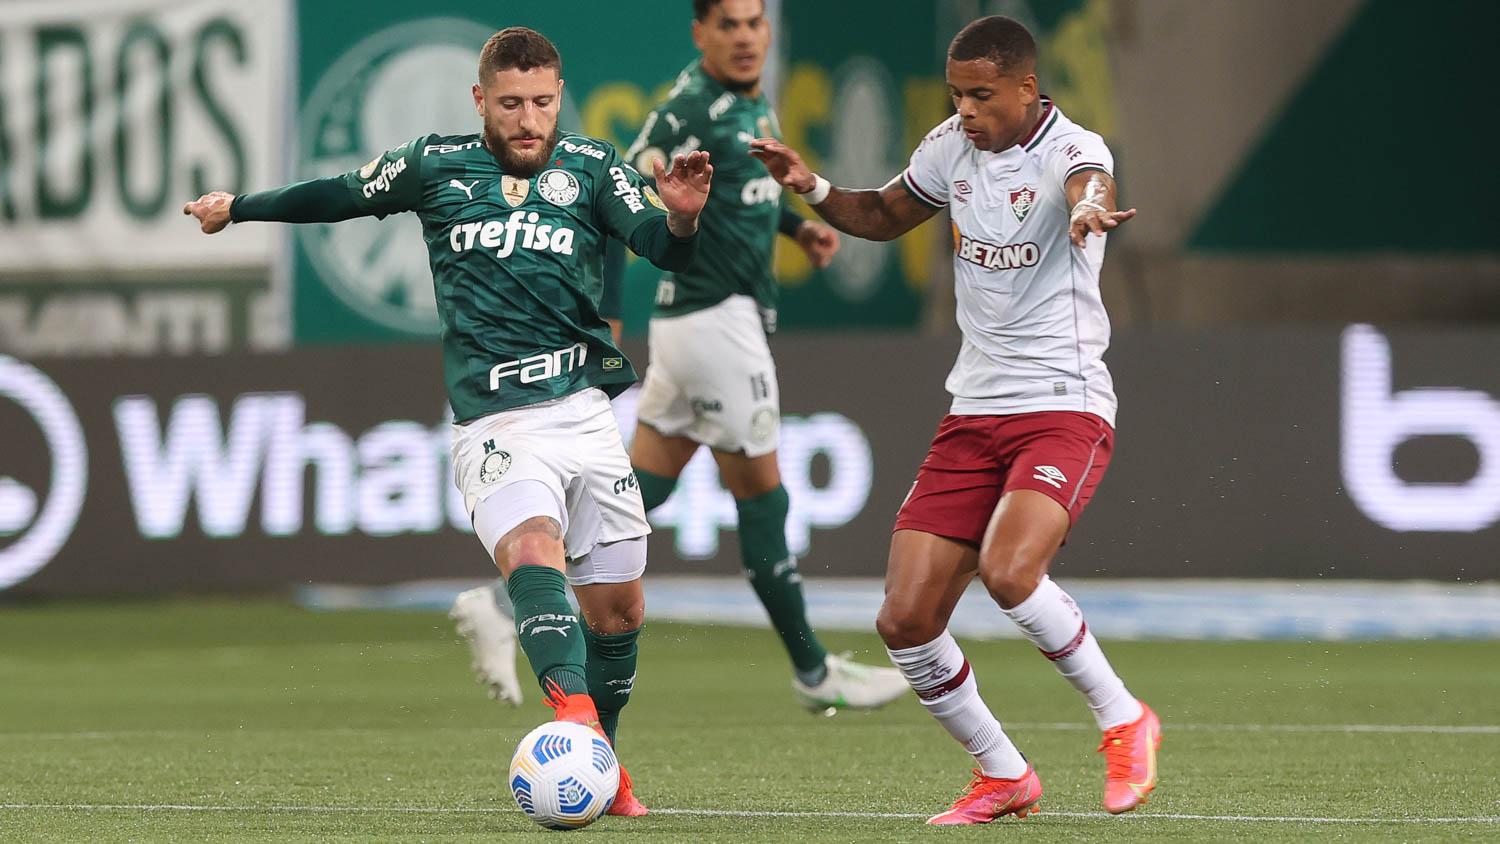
x=493, y=234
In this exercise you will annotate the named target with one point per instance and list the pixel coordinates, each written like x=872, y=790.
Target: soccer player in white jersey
x=1032, y=422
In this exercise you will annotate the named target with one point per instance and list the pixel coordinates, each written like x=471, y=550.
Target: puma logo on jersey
x=994, y=257
x=1051, y=475
x=520, y=231
x=467, y=189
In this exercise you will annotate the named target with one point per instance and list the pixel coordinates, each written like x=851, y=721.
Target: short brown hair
x=996, y=39
x=517, y=47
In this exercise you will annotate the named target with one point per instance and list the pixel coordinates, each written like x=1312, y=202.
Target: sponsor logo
x=626, y=191
x=558, y=187
x=559, y=623
x=1021, y=201
x=625, y=483
x=520, y=231
x=757, y=191
x=444, y=149
x=666, y=292
x=583, y=149
x=40, y=526
x=707, y=406
x=991, y=256
x=387, y=177
x=467, y=189
x=1051, y=475
x=1378, y=419
x=717, y=108
x=514, y=190
x=539, y=367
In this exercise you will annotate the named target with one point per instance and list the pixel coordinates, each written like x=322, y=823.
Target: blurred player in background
x=711, y=379
x=1031, y=427
x=516, y=219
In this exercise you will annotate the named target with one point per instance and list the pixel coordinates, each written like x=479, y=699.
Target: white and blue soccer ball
x=564, y=776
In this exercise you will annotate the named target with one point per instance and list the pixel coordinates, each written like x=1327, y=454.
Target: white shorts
x=712, y=380
x=571, y=446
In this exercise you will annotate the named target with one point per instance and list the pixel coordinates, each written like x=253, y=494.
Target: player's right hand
x=785, y=164
x=212, y=210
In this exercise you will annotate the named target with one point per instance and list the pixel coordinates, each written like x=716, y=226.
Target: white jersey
x=1034, y=327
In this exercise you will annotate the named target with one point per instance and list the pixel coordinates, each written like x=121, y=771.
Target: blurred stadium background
x=1306, y=311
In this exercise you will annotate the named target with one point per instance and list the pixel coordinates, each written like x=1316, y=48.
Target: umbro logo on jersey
x=1011, y=256
x=520, y=231
x=1051, y=475
x=961, y=190
x=467, y=189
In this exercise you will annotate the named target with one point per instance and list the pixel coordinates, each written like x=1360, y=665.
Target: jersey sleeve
x=390, y=182
x=623, y=200
x=926, y=176
x=1077, y=153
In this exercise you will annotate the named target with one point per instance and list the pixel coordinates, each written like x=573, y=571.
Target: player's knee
x=906, y=626
x=1011, y=573
x=622, y=617
x=534, y=542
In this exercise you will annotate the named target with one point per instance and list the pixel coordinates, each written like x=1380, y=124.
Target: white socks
x=1053, y=623
x=946, y=686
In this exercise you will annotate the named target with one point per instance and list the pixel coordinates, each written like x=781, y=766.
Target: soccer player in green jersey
x=515, y=219
x=712, y=381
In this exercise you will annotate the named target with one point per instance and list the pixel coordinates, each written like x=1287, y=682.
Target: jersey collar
x=1043, y=125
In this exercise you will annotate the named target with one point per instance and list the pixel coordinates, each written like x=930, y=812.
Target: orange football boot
x=1130, y=761
x=580, y=709
x=988, y=798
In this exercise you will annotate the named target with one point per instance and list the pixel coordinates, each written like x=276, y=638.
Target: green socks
x=548, y=628
x=611, y=674
x=773, y=572
x=654, y=488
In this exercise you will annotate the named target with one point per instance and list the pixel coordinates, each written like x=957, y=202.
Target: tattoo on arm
x=882, y=214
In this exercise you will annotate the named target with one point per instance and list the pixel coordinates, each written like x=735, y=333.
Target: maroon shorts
x=976, y=459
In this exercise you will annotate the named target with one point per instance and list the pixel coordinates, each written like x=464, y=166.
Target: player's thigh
x=1023, y=536
x=658, y=453
x=663, y=418
x=925, y=576
x=604, y=500
x=748, y=477
x=509, y=477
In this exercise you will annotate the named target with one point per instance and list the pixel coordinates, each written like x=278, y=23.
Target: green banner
x=398, y=70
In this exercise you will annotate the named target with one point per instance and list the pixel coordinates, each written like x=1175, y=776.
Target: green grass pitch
x=248, y=721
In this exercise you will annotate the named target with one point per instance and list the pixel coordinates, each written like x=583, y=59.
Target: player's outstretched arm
x=882, y=214
x=316, y=201
x=1091, y=195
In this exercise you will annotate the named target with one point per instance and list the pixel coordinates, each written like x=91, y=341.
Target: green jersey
x=517, y=262
x=737, y=230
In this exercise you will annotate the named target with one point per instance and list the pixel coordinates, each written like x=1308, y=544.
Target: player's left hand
x=1097, y=221
x=212, y=211
x=819, y=241
x=684, y=188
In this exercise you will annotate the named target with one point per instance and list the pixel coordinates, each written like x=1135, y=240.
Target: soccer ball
x=564, y=775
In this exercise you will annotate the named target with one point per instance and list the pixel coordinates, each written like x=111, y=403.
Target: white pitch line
x=1062, y=726
x=716, y=813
